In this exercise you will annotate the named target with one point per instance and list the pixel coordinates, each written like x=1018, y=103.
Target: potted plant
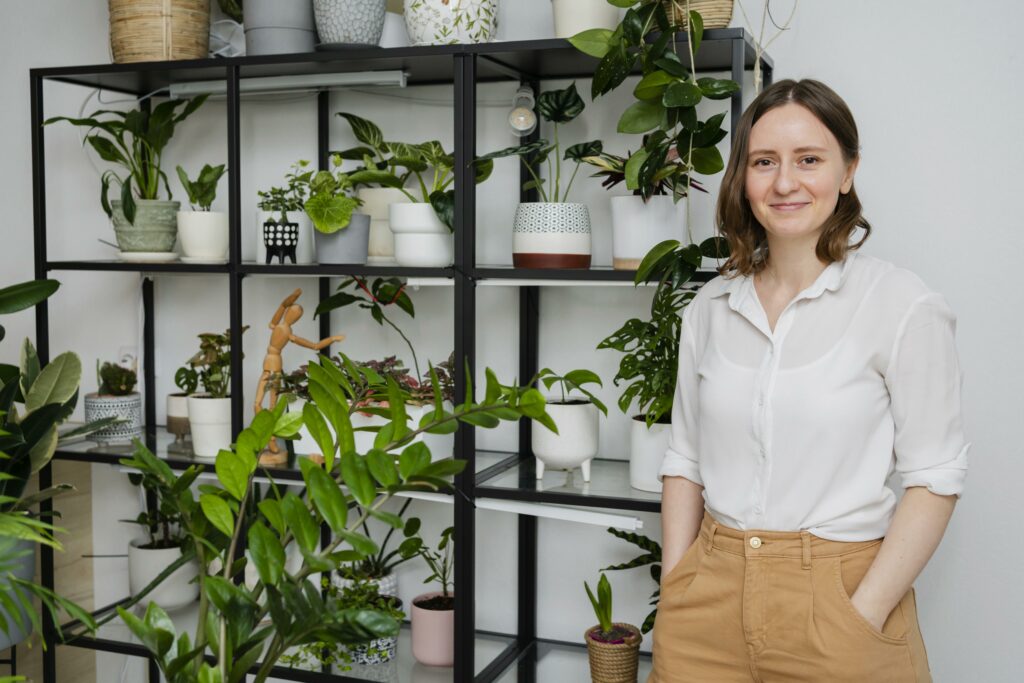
x=574, y=16
x=342, y=235
x=152, y=30
x=283, y=233
x=161, y=547
x=651, y=556
x=433, y=614
x=209, y=412
x=203, y=233
x=344, y=23
x=145, y=225
x=441, y=22
x=552, y=233
x=422, y=228
x=612, y=648
x=275, y=27
x=115, y=398
x=379, y=568
x=650, y=363
x=574, y=444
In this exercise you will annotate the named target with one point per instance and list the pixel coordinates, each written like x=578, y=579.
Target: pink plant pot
x=433, y=634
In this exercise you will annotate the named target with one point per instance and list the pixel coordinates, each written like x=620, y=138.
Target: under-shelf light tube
x=268, y=84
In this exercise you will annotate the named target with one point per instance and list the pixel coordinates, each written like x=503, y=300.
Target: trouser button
x=755, y=542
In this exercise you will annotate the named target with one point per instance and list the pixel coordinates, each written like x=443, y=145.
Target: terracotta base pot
x=551, y=235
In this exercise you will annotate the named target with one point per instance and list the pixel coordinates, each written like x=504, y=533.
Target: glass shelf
x=515, y=479
x=555, y=662
x=510, y=276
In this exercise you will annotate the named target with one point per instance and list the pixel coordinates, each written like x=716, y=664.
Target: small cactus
x=115, y=380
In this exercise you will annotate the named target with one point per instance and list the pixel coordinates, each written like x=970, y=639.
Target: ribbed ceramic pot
x=210, y=422
x=447, y=22
x=637, y=226
x=203, y=235
x=279, y=27
x=551, y=235
x=155, y=228
x=128, y=407
x=348, y=245
x=421, y=239
x=376, y=204
x=351, y=22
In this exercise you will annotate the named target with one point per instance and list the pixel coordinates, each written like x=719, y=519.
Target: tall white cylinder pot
x=145, y=564
x=576, y=442
x=574, y=16
x=376, y=203
x=646, y=451
x=637, y=226
x=304, y=248
x=421, y=239
x=210, y=421
x=203, y=236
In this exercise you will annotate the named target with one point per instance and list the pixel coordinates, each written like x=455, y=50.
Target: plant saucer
x=147, y=256
x=203, y=261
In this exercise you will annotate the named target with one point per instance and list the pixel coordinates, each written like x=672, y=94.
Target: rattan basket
x=614, y=663
x=159, y=30
x=715, y=13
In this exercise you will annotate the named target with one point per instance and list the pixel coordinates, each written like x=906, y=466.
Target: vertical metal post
x=149, y=360
x=465, y=359
x=739, y=48
x=323, y=142
x=767, y=74
x=154, y=671
x=235, y=245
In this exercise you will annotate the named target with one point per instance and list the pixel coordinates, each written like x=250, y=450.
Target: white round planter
x=176, y=591
x=203, y=236
x=576, y=442
x=551, y=235
x=573, y=16
x=127, y=407
x=446, y=22
x=376, y=204
x=421, y=239
x=637, y=226
x=304, y=249
x=210, y=421
x=646, y=451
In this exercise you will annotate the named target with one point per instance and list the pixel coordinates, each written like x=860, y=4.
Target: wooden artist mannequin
x=287, y=315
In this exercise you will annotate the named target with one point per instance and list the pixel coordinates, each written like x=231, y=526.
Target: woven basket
x=715, y=13
x=159, y=30
x=614, y=663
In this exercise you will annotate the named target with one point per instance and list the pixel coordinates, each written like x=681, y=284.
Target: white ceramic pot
x=276, y=27
x=446, y=22
x=576, y=442
x=395, y=33
x=433, y=634
x=127, y=407
x=203, y=236
x=551, y=235
x=376, y=203
x=210, y=421
x=421, y=239
x=573, y=16
x=304, y=249
x=176, y=591
x=637, y=226
x=646, y=451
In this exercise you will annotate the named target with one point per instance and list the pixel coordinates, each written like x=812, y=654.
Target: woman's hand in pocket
x=874, y=615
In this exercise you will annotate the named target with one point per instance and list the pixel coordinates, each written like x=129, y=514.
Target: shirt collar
x=830, y=279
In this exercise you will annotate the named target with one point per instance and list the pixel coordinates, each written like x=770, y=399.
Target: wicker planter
x=715, y=13
x=614, y=663
x=159, y=30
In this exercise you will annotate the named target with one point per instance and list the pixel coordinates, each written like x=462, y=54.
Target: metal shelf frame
x=463, y=67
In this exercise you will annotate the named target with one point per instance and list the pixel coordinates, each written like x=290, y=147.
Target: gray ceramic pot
x=350, y=22
x=128, y=407
x=155, y=228
x=279, y=27
x=24, y=568
x=348, y=245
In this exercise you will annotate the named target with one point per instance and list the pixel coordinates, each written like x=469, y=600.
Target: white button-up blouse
x=800, y=428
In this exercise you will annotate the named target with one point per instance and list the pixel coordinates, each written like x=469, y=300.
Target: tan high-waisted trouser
x=774, y=607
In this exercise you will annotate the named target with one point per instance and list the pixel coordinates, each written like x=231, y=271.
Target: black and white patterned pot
x=350, y=22
x=551, y=235
x=128, y=407
x=281, y=238
x=376, y=651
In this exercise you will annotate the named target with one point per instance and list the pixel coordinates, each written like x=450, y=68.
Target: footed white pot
x=421, y=239
x=176, y=591
x=573, y=16
x=210, y=422
x=203, y=235
x=637, y=226
x=575, y=445
x=646, y=451
x=376, y=203
x=304, y=248
x=551, y=235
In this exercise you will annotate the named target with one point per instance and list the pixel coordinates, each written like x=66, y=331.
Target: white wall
x=932, y=86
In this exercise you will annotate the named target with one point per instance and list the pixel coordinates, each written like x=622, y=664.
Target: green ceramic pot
x=155, y=228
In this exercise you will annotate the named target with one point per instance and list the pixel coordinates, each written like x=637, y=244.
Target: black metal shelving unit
x=488, y=474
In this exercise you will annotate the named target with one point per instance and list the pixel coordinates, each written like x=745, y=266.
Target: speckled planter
x=128, y=407
x=155, y=228
x=446, y=22
x=551, y=235
x=351, y=22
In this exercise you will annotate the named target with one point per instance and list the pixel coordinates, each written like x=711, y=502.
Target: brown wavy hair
x=748, y=243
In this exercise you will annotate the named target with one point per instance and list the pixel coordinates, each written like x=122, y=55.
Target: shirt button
x=755, y=542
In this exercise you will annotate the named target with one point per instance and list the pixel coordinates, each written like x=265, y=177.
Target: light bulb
x=522, y=118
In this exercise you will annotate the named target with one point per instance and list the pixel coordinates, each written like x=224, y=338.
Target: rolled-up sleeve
x=681, y=459
x=924, y=381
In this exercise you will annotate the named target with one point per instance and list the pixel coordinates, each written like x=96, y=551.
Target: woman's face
x=794, y=173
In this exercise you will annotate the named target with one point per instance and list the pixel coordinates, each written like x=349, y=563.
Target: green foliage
x=602, y=603
x=232, y=9
x=670, y=179
x=133, y=140
x=210, y=366
x=203, y=190
x=574, y=379
x=330, y=205
x=114, y=379
x=651, y=556
x=383, y=562
x=558, y=107
x=675, y=144
x=291, y=197
x=650, y=362
x=440, y=561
